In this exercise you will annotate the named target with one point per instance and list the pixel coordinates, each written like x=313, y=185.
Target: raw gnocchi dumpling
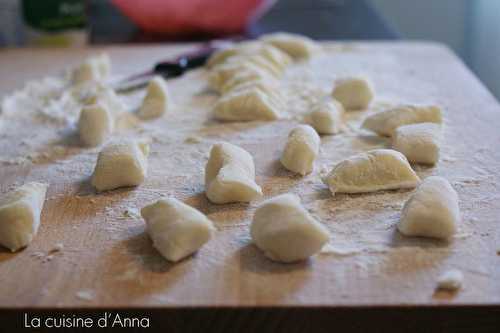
x=246, y=78
x=371, y=171
x=96, y=68
x=354, y=93
x=285, y=231
x=155, y=103
x=386, y=122
x=20, y=211
x=418, y=142
x=230, y=175
x=296, y=46
x=95, y=124
x=248, y=104
x=121, y=164
x=301, y=150
x=222, y=74
x=326, y=117
x=432, y=211
x=177, y=230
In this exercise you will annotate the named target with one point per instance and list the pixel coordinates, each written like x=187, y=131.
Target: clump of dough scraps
x=177, y=230
x=20, y=211
x=121, y=164
x=451, y=280
x=432, y=211
x=285, y=231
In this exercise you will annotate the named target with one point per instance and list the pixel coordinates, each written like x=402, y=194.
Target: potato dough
x=95, y=125
x=247, y=105
x=354, y=93
x=96, y=68
x=177, y=230
x=326, y=117
x=375, y=170
x=121, y=164
x=296, y=46
x=418, y=142
x=230, y=175
x=432, y=211
x=106, y=96
x=301, y=150
x=20, y=211
x=155, y=102
x=285, y=231
x=386, y=122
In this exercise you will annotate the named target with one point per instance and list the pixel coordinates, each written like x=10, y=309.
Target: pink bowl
x=190, y=16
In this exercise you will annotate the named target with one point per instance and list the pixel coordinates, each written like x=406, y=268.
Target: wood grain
x=112, y=257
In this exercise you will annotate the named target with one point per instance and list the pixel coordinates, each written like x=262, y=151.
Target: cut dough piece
x=247, y=77
x=222, y=74
x=285, y=231
x=386, y=122
x=375, y=170
x=155, y=102
x=96, y=68
x=326, y=117
x=121, y=164
x=177, y=230
x=296, y=46
x=418, y=142
x=247, y=105
x=432, y=211
x=353, y=93
x=95, y=125
x=301, y=150
x=451, y=280
x=20, y=211
x=230, y=175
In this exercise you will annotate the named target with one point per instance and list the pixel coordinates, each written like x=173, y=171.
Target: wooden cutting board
x=108, y=260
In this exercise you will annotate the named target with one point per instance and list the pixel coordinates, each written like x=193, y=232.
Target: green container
x=54, y=22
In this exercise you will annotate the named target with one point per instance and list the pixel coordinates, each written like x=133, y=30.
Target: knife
x=171, y=68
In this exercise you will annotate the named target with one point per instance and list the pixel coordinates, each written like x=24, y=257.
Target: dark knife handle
x=182, y=64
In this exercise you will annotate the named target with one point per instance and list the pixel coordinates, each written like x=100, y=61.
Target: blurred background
x=469, y=27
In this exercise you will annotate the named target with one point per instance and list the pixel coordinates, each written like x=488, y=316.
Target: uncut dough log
x=432, y=211
x=230, y=175
x=420, y=143
x=155, y=103
x=20, y=211
x=371, y=171
x=386, y=122
x=285, y=231
x=301, y=150
x=121, y=164
x=177, y=230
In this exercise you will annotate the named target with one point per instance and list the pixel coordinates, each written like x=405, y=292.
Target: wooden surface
x=109, y=256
